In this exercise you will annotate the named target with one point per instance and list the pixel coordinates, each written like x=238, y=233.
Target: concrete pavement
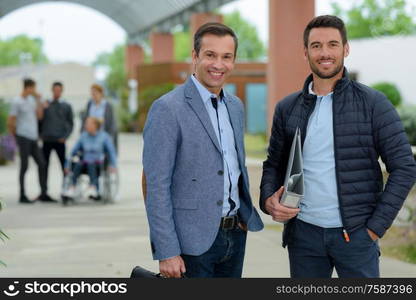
x=93, y=240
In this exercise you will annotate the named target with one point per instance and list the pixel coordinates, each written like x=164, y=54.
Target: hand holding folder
x=294, y=185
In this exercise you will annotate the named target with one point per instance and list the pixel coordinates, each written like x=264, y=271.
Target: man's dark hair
x=217, y=29
x=28, y=82
x=57, y=83
x=325, y=21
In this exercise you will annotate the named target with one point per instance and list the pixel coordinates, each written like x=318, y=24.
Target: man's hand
x=372, y=235
x=172, y=267
x=279, y=212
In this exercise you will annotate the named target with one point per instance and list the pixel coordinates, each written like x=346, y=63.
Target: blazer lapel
x=194, y=100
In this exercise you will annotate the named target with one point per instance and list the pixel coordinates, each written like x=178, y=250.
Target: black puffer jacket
x=366, y=127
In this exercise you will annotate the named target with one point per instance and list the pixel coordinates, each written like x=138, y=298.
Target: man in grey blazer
x=198, y=203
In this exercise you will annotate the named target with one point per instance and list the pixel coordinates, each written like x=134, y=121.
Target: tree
x=370, y=18
x=182, y=45
x=116, y=79
x=12, y=48
x=250, y=46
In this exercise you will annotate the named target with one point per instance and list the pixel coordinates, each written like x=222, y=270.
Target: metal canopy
x=136, y=17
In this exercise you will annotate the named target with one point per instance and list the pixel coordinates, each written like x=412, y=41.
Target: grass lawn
x=256, y=145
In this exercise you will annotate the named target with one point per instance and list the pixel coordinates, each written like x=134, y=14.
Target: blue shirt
x=320, y=204
x=97, y=111
x=93, y=148
x=232, y=170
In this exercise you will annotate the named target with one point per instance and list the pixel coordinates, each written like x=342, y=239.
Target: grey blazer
x=183, y=165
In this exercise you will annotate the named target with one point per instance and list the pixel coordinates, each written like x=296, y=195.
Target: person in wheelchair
x=92, y=147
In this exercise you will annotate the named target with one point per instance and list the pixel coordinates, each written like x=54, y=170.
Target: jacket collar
x=339, y=86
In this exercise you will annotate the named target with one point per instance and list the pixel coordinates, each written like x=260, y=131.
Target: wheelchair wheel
x=110, y=186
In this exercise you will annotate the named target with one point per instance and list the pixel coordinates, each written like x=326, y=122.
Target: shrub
x=4, y=111
x=147, y=96
x=408, y=116
x=390, y=90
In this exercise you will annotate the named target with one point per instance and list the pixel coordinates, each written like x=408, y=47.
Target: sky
x=75, y=33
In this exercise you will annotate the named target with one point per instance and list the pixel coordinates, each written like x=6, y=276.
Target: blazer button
x=220, y=202
x=220, y=172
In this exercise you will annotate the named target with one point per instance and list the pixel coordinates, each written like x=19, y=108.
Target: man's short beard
x=326, y=76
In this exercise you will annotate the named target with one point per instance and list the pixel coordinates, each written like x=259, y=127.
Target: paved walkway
x=92, y=240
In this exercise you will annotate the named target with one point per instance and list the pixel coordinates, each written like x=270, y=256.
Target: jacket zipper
x=344, y=231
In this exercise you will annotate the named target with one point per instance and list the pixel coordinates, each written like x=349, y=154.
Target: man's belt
x=229, y=222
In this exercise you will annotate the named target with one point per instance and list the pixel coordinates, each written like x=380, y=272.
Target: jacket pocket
x=185, y=203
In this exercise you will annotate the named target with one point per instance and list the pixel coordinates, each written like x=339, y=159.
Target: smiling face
x=325, y=52
x=214, y=62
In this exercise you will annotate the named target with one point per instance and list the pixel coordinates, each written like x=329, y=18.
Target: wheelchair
x=108, y=183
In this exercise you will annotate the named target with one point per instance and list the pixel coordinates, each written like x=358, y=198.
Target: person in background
x=102, y=109
x=25, y=113
x=93, y=144
x=56, y=125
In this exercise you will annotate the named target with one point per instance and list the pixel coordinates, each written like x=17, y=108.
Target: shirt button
x=220, y=172
x=220, y=202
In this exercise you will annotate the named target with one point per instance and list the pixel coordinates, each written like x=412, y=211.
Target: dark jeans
x=28, y=147
x=60, y=151
x=315, y=251
x=224, y=259
x=91, y=170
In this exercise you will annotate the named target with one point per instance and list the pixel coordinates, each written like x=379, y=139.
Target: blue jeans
x=315, y=251
x=223, y=259
x=91, y=170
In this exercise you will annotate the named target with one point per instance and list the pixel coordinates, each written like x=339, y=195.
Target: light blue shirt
x=229, y=152
x=320, y=204
x=94, y=147
x=24, y=109
x=97, y=111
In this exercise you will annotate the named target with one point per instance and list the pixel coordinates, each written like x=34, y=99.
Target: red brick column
x=162, y=47
x=134, y=57
x=199, y=19
x=287, y=68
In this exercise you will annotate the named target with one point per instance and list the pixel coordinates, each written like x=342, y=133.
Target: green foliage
x=135, y=122
x=390, y=90
x=147, y=96
x=116, y=79
x=408, y=117
x=4, y=111
x=11, y=49
x=183, y=45
x=250, y=46
x=369, y=18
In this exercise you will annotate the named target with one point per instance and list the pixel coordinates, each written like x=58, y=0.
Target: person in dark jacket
x=346, y=127
x=56, y=126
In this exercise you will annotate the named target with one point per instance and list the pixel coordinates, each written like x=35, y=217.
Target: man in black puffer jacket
x=345, y=127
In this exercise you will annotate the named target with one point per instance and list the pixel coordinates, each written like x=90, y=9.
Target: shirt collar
x=313, y=93
x=204, y=93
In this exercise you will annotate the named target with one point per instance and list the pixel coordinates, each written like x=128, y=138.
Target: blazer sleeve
x=394, y=149
x=272, y=167
x=161, y=136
